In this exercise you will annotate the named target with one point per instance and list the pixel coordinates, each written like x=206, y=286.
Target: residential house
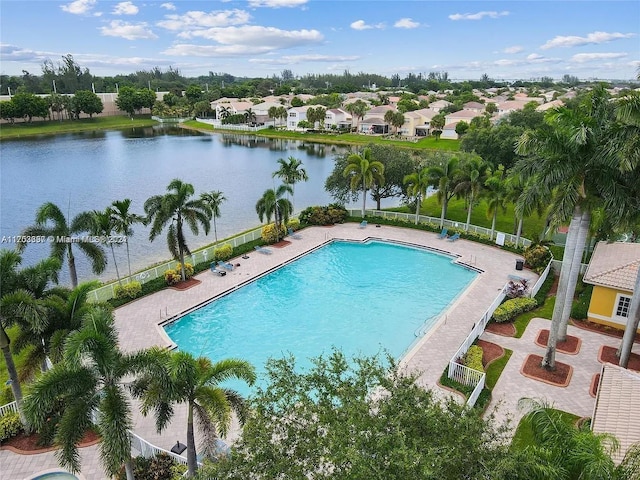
x=616, y=408
x=612, y=271
x=451, y=120
x=505, y=108
x=552, y=104
x=262, y=111
x=439, y=105
x=476, y=107
x=339, y=118
x=225, y=109
x=417, y=123
x=296, y=115
x=373, y=121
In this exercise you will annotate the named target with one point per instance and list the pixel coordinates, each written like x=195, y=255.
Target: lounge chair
x=220, y=273
x=443, y=233
x=363, y=224
x=225, y=265
x=266, y=251
x=293, y=234
x=454, y=237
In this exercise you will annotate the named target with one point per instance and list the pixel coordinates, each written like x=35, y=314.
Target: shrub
x=129, y=290
x=537, y=257
x=173, y=276
x=541, y=296
x=223, y=252
x=334, y=213
x=512, y=308
x=293, y=224
x=160, y=467
x=473, y=358
x=517, y=289
x=10, y=426
x=269, y=233
x=580, y=307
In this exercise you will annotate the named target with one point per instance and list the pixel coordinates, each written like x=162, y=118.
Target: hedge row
x=512, y=308
x=473, y=358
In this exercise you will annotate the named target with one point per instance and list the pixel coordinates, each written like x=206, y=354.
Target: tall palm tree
x=89, y=380
x=64, y=237
x=357, y=109
x=418, y=183
x=496, y=193
x=175, y=208
x=283, y=114
x=178, y=377
x=273, y=205
x=472, y=178
x=566, y=166
x=213, y=200
x=291, y=172
x=103, y=227
x=18, y=289
x=123, y=220
x=363, y=171
x=273, y=113
x=249, y=116
x=445, y=177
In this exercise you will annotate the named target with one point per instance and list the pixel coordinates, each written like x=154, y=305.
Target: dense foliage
x=512, y=308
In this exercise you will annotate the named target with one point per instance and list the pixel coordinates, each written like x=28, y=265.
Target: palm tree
x=123, y=220
x=51, y=223
x=363, y=171
x=283, y=114
x=357, y=109
x=471, y=183
x=437, y=124
x=249, y=116
x=273, y=205
x=567, y=167
x=496, y=194
x=418, y=182
x=213, y=200
x=225, y=112
x=18, y=289
x=89, y=381
x=103, y=227
x=291, y=172
x=444, y=178
x=273, y=113
x=178, y=377
x=395, y=119
x=175, y=208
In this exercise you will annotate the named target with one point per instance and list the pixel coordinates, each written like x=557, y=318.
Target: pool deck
x=138, y=326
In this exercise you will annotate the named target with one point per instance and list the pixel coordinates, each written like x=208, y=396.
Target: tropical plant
x=273, y=113
x=496, y=194
x=566, y=166
x=213, y=200
x=437, y=124
x=103, y=227
x=291, y=172
x=89, y=381
x=178, y=377
x=363, y=171
x=357, y=109
x=249, y=116
x=123, y=221
x=418, y=182
x=273, y=205
x=444, y=177
x=175, y=208
x=471, y=182
x=64, y=237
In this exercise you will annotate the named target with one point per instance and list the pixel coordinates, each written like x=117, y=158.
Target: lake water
x=87, y=171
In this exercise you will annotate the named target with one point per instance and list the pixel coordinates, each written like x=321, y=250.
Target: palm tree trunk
x=493, y=223
x=13, y=373
x=573, y=275
x=549, y=360
x=113, y=254
x=192, y=460
x=128, y=468
x=444, y=209
x=72, y=268
x=466, y=227
x=126, y=240
x=632, y=325
x=364, y=198
x=215, y=229
x=519, y=232
x=417, y=208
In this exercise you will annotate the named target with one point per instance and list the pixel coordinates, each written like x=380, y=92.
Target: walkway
x=138, y=325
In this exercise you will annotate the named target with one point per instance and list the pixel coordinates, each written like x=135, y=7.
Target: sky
x=261, y=38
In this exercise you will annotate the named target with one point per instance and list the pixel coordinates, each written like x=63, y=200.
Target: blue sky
x=506, y=40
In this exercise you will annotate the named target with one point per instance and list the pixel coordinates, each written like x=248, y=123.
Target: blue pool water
x=361, y=298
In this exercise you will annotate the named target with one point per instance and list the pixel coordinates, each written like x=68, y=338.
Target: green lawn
x=427, y=143
x=19, y=130
x=524, y=434
x=5, y=390
x=495, y=368
x=545, y=311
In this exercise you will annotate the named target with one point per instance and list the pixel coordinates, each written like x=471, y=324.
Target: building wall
x=602, y=306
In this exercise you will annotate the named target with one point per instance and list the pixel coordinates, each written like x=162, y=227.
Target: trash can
x=519, y=264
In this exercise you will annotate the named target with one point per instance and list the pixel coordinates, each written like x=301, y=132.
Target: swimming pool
x=359, y=297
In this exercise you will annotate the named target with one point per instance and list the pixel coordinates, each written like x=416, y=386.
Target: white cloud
x=79, y=7
x=477, y=16
x=129, y=31
x=168, y=6
x=295, y=59
x=197, y=19
x=269, y=37
x=361, y=25
x=406, y=23
x=276, y=3
x=188, y=50
x=592, y=57
x=590, y=39
x=514, y=49
x=125, y=8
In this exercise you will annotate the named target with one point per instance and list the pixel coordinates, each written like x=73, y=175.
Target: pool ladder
x=427, y=325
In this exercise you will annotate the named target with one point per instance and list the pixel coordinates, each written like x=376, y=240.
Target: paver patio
x=138, y=327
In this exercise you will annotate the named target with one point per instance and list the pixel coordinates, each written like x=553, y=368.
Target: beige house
x=612, y=271
x=552, y=104
x=451, y=120
x=373, y=121
x=224, y=109
x=417, y=123
x=439, y=105
x=474, y=107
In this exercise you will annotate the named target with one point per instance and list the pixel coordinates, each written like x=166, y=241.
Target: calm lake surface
x=87, y=171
